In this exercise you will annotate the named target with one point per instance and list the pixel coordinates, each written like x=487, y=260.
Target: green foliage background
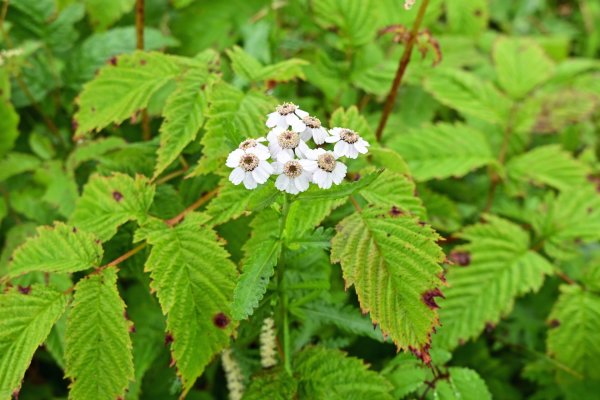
x=474, y=258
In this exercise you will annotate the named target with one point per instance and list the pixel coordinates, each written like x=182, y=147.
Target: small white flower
x=326, y=168
x=285, y=141
x=249, y=167
x=286, y=115
x=313, y=130
x=255, y=146
x=294, y=175
x=347, y=143
x=268, y=344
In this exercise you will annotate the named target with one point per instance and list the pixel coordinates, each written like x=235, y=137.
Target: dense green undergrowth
x=459, y=258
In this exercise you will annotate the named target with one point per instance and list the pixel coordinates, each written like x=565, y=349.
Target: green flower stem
x=281, y=286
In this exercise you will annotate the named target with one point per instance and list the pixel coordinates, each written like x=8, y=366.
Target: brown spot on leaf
x=221, y=320
x=74, y=230
x=132, y=328
x=553, y=323
x=113, y=60
x=24, y=289
x=489, y=327
x=118, y=196
x=478, y=12
x=395, y=211
x=168, y=338
x=142, y=62
x=422, y=353
x=462, y=258
x=429, y=298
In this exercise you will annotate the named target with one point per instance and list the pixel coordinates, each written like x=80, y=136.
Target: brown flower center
x=249, y=162
x=326, y=162
x=312, y=122
x=248, y=144
x=286, y=108
x=292, y=169
x=349, y=136
x=288, y=140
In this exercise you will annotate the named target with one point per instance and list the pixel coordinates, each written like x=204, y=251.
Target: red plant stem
x=404, y=61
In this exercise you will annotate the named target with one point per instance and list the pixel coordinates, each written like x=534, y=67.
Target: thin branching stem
x=403, y=64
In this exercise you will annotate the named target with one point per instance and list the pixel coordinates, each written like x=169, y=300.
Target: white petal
x=308, y=165
x=237, y=176
x=260, y=175
x=302, y=151
x=285, y=155
x=340, y=149
x=272, y=119
x=295, y=122
x=249, y=181
x=261, y=151
x=351, y=152
x=336, y=132
x=360, y=146
x=301, y=183
x=301, y=113
x=233, y=159
x=332, y=139
x=277, y=167
x=338, y=173
x=319, y=177
x=328, y=181
x=319, y=135
x=266, y=167
x=282, y=182
x=291, y=187
x=306, y=134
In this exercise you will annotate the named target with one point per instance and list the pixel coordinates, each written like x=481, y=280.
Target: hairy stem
x=197, y=204
x=282, y=290
x=404, y=61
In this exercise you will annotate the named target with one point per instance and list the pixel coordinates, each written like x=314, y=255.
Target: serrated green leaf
x=120, y=90
x=17, y=163
x=184, y=115
x=355, y=19
x=103, y=13
x=233, y=201
x=573, y=338
x=9, y=122
x=389, y=159
x=568, y=221
x=468, y=94
x=342, y=190
x=194, y=281
x=98, y=347
x=405, y=373
x=463, y=384
x=521, y=65
x=469, y=17
x=261, y=253
x=233, y=116
x=109, y=202
x=305, y=215
x=346, y=318
x=391, y=251
x=326, y=374
x=272, y=385
x=391, y=189
x=25, y=322
x=548, y=165
x=92, y=150
x=249, y=68
x=60, y=248
x=443, y=151
x=501, y=268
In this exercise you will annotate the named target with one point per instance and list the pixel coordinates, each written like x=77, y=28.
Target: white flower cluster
x=233, y=374
x=295, y=163
x=408, y=4
x=268, y=344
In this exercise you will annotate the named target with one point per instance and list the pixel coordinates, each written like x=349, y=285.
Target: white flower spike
x=294, y=175
x=313, y=130
x=286, y=115
x=286, y=141
x=347, y=143
x=327, y=169
x=249, y=167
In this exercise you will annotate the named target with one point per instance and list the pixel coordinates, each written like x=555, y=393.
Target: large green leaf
x=120, y=90
x=355, y=19
x=261, y=253
x=468, y=94
x=60, y=248
x=548, y=165
x=573, y=338
x=568, y=221
x=470, y=17
x=249, y=68
x=326, y=374
x=521, y=65
x=184, y=114
x=443, y=151
x=462, y=384
x=98, y=348
x=233, y=116
x=26, y=317
x=392, y=189
x=103, y=13
x=501, y=267
x=194, y=281
x=109, y=202
x=393, y=263
x=272, y=385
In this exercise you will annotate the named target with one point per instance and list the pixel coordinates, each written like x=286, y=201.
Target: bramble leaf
x=109, y=202
x=501, y=267
x=25, y=322
x=194, y=281
x=389, y=250
x=249, y=68
x=443, y=151
x=462, y=384
x=60, y=248
x=98, y=348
